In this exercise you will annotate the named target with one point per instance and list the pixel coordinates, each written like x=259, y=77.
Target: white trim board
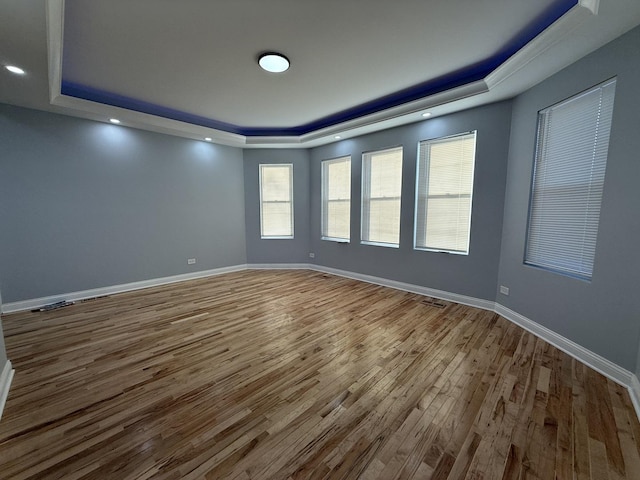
x=593, y=360
x=278, y=266
x=408, y=287
x=5, y=383
x=584, y=355
x=634, y=393
x=113, y=289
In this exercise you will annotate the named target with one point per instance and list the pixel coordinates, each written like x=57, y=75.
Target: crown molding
x=380, y=120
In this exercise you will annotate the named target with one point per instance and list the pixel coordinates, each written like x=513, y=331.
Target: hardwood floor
x=296, y=374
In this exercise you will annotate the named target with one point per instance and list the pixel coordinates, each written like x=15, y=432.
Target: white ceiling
x=196, y=60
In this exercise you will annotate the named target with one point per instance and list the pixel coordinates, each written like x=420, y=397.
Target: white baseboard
x=586, y=356
x=589, y=358
x=409, y=287
x=634, y=393
x=113, y=289
x=278, y=266
x=593, y=360
x=5, y=383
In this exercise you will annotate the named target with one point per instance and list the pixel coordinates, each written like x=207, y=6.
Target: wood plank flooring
x=297, y=374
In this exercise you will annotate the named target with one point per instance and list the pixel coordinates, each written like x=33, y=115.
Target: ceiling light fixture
x=114, y=120
x=14, y=69
x=337, y=137
x=207, y=139
x=273, y=62
x=426, y=114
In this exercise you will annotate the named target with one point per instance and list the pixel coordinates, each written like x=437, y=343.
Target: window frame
x=324, y=200
x=262, y=202
x=428, y=143
x=366, y=156
x=541, y=128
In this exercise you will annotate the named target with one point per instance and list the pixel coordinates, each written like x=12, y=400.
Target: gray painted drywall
x=474, y=274
x=602, y=315
x=295, y=250
x=85, y=204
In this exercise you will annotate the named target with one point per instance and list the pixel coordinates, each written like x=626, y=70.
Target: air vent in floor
x=435, y=302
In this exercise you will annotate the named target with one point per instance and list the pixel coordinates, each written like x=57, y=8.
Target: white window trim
x=417, y=194
x=277, y=237
x=550, y=266
x=362, y=190
x=322, y=199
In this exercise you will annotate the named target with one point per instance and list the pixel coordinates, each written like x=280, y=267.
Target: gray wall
x=602, y=315
x=295, y=250
x=474, y=274
x=86, y=204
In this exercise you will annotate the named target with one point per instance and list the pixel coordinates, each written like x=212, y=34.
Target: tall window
x=443, y=193
x=381, y=189
x=568, y=180
x=336, y=199
x=276, y=201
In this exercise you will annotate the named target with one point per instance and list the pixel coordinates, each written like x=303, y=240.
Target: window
x=336, y=199
x=276, y=201
x=568, y=179
x=443, y=193
x=381, y=189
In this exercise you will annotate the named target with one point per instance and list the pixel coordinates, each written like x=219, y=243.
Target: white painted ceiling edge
x=586, y=27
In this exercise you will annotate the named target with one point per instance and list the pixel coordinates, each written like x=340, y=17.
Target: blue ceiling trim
x=455, y=79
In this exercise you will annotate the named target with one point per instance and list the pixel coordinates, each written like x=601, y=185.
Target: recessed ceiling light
x=426, y=114
x=114, y=120
x=207, y=139
x=337, y=137
x=274, y=62
x=14, y=69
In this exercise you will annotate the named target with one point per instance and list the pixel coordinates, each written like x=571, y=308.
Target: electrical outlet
x=504, y=290
x=191, y=261
x=312, y=255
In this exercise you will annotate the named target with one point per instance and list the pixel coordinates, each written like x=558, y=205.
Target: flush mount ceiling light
x=14, y=69
x=114, y=120
x=207, y=139
x=273, y=62
x=426, y=114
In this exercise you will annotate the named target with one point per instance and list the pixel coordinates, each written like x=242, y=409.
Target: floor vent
x=53, y=306
x=91, y=299
x=434, y=302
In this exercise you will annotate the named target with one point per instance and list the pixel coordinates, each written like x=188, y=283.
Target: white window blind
x=276, y=201
x=336, y=199
x=381, y=190
x=444, y=192
x=568, y=180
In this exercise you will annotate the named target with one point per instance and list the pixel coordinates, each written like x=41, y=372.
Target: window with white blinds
x=381, y=190
x=568, y=180
x=276, y=201
x=336, y=199
x=444, y=190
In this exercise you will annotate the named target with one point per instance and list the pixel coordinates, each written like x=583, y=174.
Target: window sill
x=336, y=240
x=435, y=250
x=380, y=244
